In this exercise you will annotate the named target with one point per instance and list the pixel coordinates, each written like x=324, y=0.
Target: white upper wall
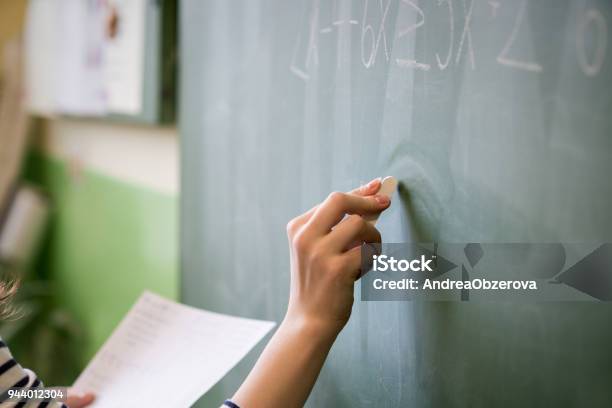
x=142, y=155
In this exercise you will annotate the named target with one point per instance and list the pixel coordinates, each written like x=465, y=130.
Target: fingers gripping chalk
x=387, y=188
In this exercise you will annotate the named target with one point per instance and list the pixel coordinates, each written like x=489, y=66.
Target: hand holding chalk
x=325, y=263
x=325, y=260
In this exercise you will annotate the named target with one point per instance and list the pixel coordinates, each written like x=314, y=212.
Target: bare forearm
x=288, y=368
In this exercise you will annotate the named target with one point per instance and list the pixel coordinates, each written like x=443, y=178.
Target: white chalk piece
x=387, y=188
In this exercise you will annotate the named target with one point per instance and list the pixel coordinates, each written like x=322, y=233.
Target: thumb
x=79, y=400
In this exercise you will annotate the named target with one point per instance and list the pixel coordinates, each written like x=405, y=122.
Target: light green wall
x=108, y=241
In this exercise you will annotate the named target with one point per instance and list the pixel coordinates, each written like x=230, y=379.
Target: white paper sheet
x=164, y=354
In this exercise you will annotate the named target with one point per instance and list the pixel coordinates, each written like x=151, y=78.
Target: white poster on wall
x=125, y=56
x=85, y=58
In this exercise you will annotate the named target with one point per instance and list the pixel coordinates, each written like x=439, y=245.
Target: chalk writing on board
x=407, y=62
x=375, y=45
x=451, y=40
x=466, y=35
x=368, y=36
x=594, y=18
x=312, y=49
x=503, y=57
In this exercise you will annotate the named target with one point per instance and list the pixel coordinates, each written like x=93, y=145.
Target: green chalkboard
x=494, y=116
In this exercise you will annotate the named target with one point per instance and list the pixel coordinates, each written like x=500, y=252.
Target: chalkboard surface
x=496, y=118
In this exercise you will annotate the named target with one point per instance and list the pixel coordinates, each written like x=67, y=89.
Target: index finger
x=337, y=205
x=364, y=190
x=368, y=189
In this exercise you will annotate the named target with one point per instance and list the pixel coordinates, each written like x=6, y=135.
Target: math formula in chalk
x=386, y=32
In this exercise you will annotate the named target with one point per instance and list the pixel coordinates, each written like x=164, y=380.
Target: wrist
x=311, y=327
